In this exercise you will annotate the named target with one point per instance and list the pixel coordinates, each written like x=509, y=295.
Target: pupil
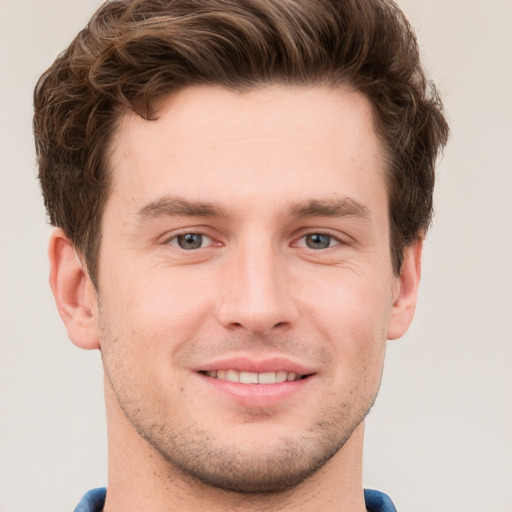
x=190, y=241
x=318, y=241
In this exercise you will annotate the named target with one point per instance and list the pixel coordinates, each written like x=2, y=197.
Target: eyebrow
x=346, y=207
x=169, y=206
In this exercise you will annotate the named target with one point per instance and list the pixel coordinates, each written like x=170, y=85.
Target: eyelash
x=332, y=240
x=174, y=240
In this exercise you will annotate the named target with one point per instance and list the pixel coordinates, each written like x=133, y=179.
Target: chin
x=257, y=473
x=260, y=465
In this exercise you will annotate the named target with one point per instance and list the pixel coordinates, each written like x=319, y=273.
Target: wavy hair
x=134, y=51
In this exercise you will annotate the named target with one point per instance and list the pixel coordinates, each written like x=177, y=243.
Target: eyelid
x=340, y=238
x=333, y=242
x=171, y=238
x=207, y=240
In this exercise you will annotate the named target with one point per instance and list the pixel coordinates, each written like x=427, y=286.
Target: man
x=241, y=190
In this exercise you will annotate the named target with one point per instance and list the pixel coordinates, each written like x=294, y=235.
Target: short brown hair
x=133, y=51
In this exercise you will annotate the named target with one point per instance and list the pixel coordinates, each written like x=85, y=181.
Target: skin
x=282, y=190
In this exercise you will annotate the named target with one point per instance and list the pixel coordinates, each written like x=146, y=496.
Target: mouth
x=246, y=377
x=258, y=382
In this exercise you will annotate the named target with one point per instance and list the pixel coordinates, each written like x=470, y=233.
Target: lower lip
x=258, y=395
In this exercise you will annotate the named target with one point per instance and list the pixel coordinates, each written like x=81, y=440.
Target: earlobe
x=73, y=292
x=404, y=303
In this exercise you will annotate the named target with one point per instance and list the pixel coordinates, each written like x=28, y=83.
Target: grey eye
x=190, y=241
x=318, y=241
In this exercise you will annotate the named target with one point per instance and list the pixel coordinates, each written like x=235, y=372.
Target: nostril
x=257, y=314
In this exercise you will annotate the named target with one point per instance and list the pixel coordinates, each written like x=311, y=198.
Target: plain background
x=440, y=436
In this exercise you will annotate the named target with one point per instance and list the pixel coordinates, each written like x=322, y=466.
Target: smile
x=245, y=377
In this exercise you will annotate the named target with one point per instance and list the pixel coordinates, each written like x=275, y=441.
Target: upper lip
x=257, y=365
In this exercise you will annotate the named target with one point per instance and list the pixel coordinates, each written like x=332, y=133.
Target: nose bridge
x=257, y=292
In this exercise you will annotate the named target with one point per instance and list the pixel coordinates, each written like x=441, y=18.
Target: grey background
x=440, y=436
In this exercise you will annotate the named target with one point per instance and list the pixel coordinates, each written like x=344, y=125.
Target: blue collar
x=375, y=501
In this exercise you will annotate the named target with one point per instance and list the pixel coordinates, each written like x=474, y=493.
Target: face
x=245, y=280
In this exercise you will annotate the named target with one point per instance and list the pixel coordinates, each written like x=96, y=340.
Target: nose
x=257, y=294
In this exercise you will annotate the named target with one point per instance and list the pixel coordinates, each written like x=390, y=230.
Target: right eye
x=191, y=241
x=318, y=241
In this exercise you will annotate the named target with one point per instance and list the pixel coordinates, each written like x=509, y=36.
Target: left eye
x=190, y=241
x=319, y=241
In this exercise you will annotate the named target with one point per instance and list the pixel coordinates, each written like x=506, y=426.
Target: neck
x=139, y=478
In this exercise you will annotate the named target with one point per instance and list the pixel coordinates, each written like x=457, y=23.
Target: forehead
x=279, y=142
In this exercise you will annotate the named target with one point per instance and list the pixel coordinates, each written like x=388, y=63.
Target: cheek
x=350, y=303
x=154, y=312
x=352, y=314
x=158, y=293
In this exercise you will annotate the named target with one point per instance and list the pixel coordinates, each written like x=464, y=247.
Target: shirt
x=375, y=501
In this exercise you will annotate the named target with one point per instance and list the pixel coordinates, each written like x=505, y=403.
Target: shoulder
x=92, y=501
x=377, y=501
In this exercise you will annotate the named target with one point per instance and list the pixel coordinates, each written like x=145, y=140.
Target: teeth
x=281, y=376
x=253, y=377
x=248, y=378
x=267, y=378
x=232, y=376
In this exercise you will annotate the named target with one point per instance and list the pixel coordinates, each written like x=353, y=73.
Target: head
x=249, y=184
x=134, y=52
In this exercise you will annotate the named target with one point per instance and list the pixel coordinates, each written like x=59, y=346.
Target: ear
x=406, y=291
x=74, y=292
